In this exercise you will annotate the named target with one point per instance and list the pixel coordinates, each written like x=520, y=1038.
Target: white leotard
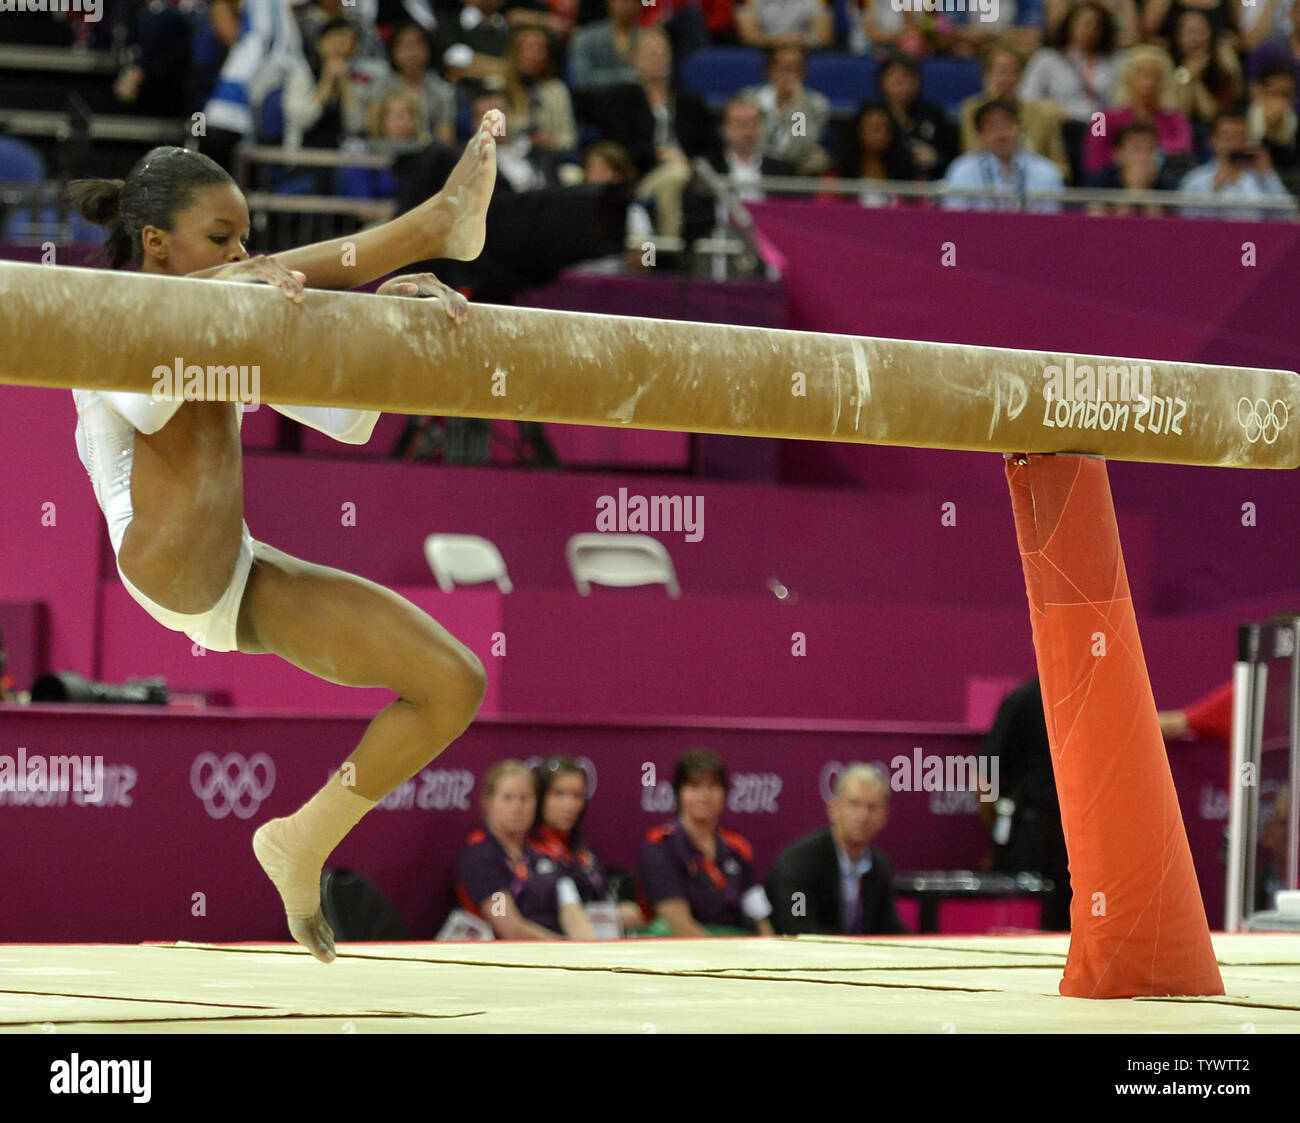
x=106, y=425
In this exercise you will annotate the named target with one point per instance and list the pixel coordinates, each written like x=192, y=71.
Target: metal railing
x=35, y=213
x=1257, y=646
x=284, y=219
x=1287, y=208
x=274, y=215
x=248, y=156
x=747, y=257
x=42, y=59
x=733, y=249
x=62, y=125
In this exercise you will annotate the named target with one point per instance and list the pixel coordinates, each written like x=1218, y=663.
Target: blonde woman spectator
x=397, y=128
x=435, y=100
x=1147, y=95
x=794, y=117
x=398, y=120
x=660, y=125
x=539, y=101
x=504, y=881
x=1040, y=124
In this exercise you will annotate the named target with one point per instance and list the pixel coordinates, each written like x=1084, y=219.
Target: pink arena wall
x=128, y=869
x=1175, y=289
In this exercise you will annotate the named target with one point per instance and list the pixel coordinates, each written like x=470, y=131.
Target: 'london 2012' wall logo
x=1263, y=421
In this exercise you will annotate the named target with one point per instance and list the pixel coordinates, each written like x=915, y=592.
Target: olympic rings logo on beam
x=231, y=783
x=1262, y=421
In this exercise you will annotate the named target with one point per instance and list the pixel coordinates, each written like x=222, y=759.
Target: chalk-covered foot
x=297, y=877
x=468, y=191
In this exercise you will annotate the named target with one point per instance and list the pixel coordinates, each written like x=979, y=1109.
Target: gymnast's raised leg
x=351, y=631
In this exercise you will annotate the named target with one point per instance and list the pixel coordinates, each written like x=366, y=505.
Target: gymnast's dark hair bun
x=163, y=183
x=100, y=202
x=97, y=199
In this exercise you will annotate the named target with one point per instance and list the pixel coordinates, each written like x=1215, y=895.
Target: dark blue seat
x=715, y=73
x=283, y=179
x=950, y=81
x=848, y=80
x=21, y=163
x=270, y=119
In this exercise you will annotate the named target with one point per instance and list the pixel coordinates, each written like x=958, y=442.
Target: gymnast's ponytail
x=162, y=184
x=99, y=201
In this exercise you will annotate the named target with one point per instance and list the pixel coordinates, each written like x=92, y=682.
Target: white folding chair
x=620, y=559
x=465, y=559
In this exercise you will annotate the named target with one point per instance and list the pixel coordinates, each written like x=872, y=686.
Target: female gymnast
x=169, y=479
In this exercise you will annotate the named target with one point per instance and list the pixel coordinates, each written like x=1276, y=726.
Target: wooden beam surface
x=96, y=329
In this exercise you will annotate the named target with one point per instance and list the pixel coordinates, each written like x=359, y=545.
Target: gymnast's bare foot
x=469, y=190
x=297, y=877
x=315, y=935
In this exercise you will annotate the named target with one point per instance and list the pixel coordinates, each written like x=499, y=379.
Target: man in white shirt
x=1239, y=170
x=740, y=160
x=742, y=154
x=1001, y=161
x=794, y=117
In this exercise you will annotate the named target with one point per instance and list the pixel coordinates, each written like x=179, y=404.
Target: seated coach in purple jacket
x=834, y=881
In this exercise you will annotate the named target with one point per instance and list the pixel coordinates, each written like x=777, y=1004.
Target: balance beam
x=96, y=329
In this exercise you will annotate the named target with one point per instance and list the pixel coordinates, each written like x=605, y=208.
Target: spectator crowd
x=531, y=871
x=1153, y=95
